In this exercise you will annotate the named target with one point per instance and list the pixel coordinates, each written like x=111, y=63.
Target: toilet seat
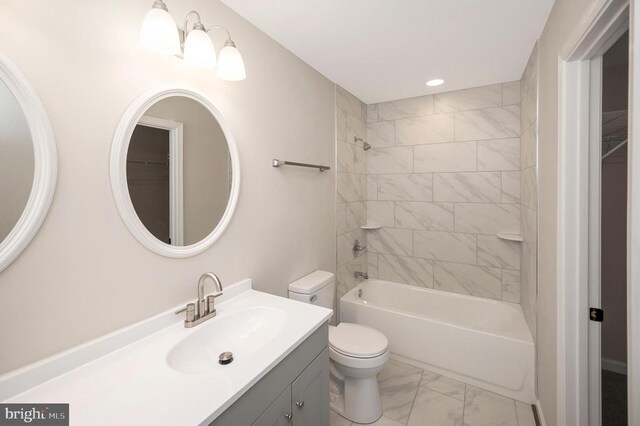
x=358, y=363
x=357, y=341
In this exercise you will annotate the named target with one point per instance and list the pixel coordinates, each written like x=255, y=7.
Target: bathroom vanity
x=296, y=391
x=159, y=372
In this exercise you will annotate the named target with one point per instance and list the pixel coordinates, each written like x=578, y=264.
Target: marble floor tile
x=336, y=419
x=435, y=409
x=382, y=421
x=415, y=397
x=398, y=386
x=443, y=385
x=484, y=408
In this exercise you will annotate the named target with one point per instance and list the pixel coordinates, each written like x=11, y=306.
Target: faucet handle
x=181, y=310
x=211, y=303
x=190, y=309
x=191, y=312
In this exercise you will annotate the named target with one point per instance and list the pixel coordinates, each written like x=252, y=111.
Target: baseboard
x=614, y=365
x=540, y=416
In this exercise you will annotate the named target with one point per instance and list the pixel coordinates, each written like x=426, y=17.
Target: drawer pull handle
x=300, y=404
x=288, y=416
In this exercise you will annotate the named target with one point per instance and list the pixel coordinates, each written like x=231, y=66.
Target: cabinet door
x=278, y=413
x=310, y=392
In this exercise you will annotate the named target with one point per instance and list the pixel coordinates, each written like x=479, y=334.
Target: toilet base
x=362, y=400
x=358, y=397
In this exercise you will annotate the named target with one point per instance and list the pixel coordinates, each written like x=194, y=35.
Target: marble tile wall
x=351, y=188
x=528, y=188
x=443, y=177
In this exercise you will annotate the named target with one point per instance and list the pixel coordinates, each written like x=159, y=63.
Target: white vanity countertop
x=136, y=385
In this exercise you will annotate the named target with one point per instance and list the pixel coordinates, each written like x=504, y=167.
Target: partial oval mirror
x=27, y=163
x=175, y=172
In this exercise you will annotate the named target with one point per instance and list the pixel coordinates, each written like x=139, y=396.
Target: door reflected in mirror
x=16, y=161
x=179, y=171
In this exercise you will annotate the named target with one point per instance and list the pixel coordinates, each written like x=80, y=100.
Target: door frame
x=605, y=22
x=176, y=185
x=594, y=331
x=633, y=225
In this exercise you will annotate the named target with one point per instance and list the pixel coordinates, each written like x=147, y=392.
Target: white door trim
x=633, y=226
x=603, y=24
x=176, y=188
x=572, y=248
x=595, y=244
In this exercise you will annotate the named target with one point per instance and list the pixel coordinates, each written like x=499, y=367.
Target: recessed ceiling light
x=435, y=82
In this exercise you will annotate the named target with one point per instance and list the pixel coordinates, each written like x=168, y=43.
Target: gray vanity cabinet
x=310, y=396
x=294, y=393
x=278, y=413
x=305, y=402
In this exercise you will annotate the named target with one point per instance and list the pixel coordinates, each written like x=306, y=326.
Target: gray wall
x=84, y=275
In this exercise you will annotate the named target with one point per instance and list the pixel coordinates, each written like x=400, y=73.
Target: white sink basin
x=242, y=332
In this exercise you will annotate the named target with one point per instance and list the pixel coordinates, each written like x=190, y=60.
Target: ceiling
x=382, y=50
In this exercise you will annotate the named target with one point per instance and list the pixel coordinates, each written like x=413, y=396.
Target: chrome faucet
x=357, y=248
x=205, y=307
x=362, y=275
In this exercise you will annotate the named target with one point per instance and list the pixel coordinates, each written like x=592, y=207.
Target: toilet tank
x=316, y=288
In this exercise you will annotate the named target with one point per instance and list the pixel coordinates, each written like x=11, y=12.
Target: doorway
x=611, y=284
x=154, y=177
x=592, y=211
x=148, y=179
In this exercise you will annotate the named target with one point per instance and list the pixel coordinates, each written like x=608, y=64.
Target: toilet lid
x=357, y=341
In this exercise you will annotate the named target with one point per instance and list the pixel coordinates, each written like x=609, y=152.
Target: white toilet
x=357, y=353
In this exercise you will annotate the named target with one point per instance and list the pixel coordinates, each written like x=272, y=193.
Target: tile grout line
x=464, y=403
x=415, y=396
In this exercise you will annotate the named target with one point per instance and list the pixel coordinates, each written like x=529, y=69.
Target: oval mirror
x=175, y=172
x=28, y=163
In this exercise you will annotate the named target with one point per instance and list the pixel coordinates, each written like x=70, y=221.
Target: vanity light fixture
x=435, y=82
x=160, y=34
x=159, y=31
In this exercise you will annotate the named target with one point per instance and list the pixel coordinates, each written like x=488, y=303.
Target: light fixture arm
x=218, y=27
x=196, y=26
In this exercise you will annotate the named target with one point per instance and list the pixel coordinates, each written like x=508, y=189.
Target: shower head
x=365, y=145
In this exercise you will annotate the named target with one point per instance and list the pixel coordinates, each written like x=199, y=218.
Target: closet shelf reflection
x=148, y=163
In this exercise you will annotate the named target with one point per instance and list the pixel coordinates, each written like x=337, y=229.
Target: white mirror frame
x=45, y=164
x=118, y=170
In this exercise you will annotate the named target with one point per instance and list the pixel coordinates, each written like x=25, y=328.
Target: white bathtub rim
x=363, y=284
x=350, y=297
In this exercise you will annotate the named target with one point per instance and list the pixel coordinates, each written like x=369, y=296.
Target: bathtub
x=485, y=343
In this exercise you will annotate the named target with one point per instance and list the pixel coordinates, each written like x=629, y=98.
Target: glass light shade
x=230, y=64
x=199, y=51
x=159, y=33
